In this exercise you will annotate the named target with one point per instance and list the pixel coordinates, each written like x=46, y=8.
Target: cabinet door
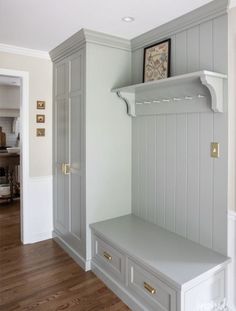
x=69, y=149
x=61, y=148
x=77, y=152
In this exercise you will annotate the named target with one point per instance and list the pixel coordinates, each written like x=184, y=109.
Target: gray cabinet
x=90, y=128
x=69, y=161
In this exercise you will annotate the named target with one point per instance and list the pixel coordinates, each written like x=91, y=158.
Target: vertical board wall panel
x=143, y=167
x=151, y=168
x=193, y=177
x=181, y=53
x=190, y=187
x=206, y=46
x=181, y=175
x=170, y=172
x=193, y=50
x=206, y=179
x=220, y=43
x=160, y=169
x=135, y=167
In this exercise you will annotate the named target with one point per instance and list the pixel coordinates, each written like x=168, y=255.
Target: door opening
x=14, y=145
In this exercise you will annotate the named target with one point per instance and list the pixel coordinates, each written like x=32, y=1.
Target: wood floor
x=42, y=277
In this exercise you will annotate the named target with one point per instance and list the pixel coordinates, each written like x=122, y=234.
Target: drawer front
x=108, y=258
x=156, y=294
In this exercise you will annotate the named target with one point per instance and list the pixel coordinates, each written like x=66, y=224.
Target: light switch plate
x=215, y=150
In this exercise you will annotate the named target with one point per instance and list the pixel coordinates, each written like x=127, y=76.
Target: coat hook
x=188, y=97
x=166, y=100
x=147, y=102
x=139, y=103
x=156, y=101
x=201, y=96
x=176, y=99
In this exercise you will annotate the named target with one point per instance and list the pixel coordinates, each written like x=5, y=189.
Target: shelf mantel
x=213, y=81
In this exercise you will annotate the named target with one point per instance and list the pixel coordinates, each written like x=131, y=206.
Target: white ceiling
x=43, y=24
x=9, y=81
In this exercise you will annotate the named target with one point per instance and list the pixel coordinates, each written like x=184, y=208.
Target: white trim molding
x=232, y=265
x=12, y=49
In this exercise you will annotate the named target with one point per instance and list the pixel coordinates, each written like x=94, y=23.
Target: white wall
x=40, y=88
x=37, y=188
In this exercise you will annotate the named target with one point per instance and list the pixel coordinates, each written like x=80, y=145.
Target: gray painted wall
x=175, y=182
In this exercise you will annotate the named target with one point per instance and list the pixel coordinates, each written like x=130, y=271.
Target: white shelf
x=193, y=85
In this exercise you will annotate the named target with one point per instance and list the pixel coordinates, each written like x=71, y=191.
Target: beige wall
x=232, y=110
x=40, y=88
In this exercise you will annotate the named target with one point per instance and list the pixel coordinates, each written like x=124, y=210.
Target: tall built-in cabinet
x=89, y=131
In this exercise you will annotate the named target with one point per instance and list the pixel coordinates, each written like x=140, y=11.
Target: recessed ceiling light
x=128, y=19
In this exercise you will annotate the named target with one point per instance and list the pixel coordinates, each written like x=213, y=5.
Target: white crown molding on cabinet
x=209, y=11
x=75, y=42
x=12, y=49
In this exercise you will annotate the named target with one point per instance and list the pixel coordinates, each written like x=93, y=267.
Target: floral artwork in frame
x=157, y=61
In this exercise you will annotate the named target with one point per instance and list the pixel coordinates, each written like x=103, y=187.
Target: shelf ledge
x=213, y=81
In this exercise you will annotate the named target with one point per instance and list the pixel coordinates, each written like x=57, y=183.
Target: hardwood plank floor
x=42, y=277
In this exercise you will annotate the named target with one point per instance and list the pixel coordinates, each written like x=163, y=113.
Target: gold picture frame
x=40, y=118
x=40, y=132
x=41, y=104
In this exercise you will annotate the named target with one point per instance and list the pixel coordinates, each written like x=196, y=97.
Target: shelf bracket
x=129, y=103
x=216, y=87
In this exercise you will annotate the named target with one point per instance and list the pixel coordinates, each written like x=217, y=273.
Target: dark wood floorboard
x=42, y=277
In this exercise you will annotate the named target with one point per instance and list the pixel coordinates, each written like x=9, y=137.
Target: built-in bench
x=151, y=268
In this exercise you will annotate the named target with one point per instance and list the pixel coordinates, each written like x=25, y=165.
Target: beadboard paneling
x=176, y=184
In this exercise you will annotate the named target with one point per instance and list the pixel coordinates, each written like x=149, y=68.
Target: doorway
x=15, y=120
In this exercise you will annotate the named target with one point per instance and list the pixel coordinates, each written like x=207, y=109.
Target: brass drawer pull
x=149, y=288
x=107, y=256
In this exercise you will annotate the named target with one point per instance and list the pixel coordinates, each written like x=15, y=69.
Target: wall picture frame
x=40, y=118
x=40, y=132
x=41, y=104
x=156, y=61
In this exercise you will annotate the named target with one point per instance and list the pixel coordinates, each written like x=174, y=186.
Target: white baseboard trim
x=41, y=236
x=83, y=263
x=118, y=289
x=232, y=265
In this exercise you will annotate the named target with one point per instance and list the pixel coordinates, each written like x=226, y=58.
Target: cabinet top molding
x=212, y=80
x=80, y=38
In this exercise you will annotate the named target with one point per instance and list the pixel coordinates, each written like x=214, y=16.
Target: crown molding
x=83, y=36
x=209, y=11
x=12, y=49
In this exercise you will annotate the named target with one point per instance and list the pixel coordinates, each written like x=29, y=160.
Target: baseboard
x=232, y=265
x=117, y=289
x=38, y=237
x=82, y=262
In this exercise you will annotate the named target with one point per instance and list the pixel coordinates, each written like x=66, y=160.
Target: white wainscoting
x=38, y=217
x=232, y=254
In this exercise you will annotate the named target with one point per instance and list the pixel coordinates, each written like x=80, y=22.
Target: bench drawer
x=108, y=258
x=156, y=294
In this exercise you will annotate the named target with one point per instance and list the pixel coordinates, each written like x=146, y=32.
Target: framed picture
x=40, y=132
x=156, y=63
x=41, y=104
x=40, y=118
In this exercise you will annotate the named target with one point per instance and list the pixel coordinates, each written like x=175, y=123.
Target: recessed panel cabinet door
x=61, y=148
x=69, y=151
x=76, y=149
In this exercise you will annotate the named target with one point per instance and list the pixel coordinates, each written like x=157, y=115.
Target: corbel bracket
x=129, y=103
x=215, y=85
